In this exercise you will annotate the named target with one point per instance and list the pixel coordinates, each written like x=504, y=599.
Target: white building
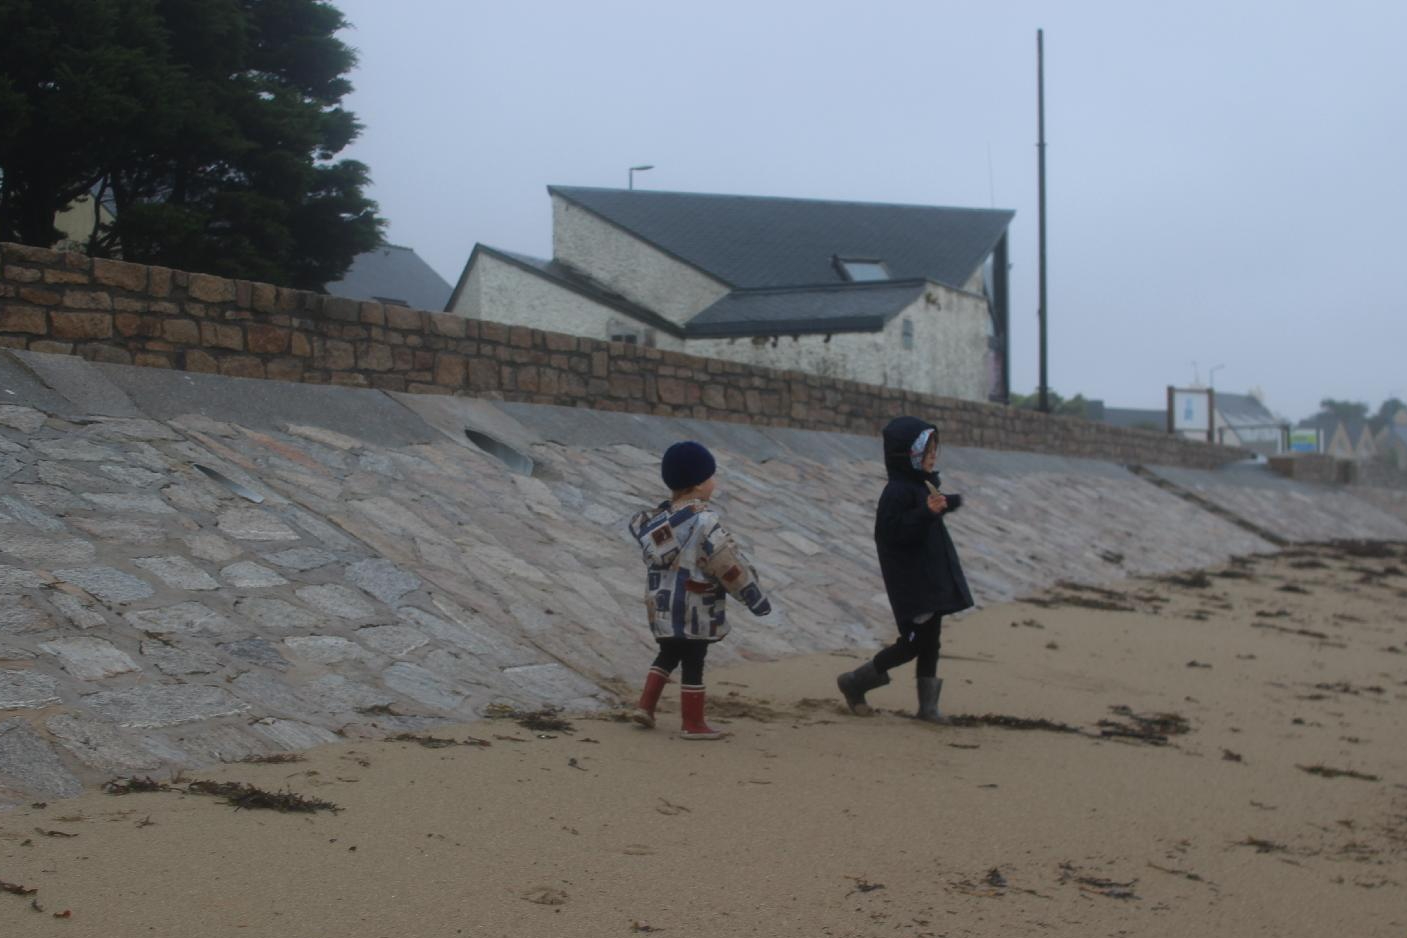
x=904, y=296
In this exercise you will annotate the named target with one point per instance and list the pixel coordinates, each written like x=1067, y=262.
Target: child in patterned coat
x=692, y=565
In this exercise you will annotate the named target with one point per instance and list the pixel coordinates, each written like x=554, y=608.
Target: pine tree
x=211, y=125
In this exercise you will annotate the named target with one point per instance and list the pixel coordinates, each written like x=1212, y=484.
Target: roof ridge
x=782, y=198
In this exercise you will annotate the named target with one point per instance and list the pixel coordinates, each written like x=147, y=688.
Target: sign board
x=1304, y=441
x=1190, y=412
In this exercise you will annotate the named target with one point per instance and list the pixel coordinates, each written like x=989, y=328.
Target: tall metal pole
x=1040, y=151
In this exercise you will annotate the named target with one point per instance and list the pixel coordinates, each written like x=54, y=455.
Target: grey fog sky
x=1226, y=180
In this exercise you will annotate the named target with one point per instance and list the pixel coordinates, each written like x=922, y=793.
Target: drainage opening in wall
x=231, y=484
x=517, y=462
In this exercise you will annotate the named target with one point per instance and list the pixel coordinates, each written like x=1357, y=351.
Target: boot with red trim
x=645, y=710
x=691, y=702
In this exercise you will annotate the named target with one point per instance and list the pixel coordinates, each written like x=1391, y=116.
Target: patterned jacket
x=692, y=564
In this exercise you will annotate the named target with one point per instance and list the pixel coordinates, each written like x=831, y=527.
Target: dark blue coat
x=922, y=573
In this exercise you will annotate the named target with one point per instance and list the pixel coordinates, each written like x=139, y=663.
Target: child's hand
x=937, y=503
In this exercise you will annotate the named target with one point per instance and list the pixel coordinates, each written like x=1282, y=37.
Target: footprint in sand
x=638, y=850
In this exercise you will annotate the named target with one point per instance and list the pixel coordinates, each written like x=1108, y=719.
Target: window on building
x=859, y=269
x=908, y=333
x=621, y=330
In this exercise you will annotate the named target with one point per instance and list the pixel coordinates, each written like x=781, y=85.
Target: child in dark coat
x=922, y=573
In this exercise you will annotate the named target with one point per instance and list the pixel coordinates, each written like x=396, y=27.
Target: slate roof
x=1135, y=418
x=1243, y=410
x=751, y=242
x=393, y=274
x=858, y=307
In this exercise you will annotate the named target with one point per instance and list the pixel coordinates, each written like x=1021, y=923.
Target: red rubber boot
x=691, y=702
x=645, y=710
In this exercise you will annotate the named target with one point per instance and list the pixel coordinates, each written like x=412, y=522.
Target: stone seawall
x=110, y=311
x=196, y=568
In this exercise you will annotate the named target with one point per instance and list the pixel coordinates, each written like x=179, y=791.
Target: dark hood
x=899, y=434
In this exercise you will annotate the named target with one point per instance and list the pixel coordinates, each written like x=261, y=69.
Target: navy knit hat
x=686, y=465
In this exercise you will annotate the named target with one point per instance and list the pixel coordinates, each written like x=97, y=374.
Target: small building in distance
x=1244, y=421
x=396, y=275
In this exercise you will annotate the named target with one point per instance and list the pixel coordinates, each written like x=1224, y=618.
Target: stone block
x=265, y=339
x=165, y=704
x=242, y=366
x=300, y=345
x=181, y=331
x=671, y=391
x=372, y=314
x=159, y=281
x=335, y=355
x=341, y=309
x=209, y=289
x=284, y=369
x=450, y=370
x=339, y=601
x=33, y=255
x=220, y=335
x=27, y=760
x=152, y=360
x=196, y=360
x=107, y=584
x=66, y=325
x=108, y=354
x=382, y=579
x=16, y=274
x=15, y=318
x=26, y=690
x=40, y=296
x=374, y=356
x=447, y=324
x=405, y=319
x=388, y=382
x=65, y=276
x=263, y=297
x=131, y=277
x=255, y=524
x=350, y=379
x=89, y=659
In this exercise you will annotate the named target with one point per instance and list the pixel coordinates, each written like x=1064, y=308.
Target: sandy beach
x=1224, y=755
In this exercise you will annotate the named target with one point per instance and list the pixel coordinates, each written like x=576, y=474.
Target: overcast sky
x=1225, y=180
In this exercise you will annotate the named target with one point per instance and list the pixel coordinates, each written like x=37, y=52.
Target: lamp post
x=637, y=169
x=1211, y=375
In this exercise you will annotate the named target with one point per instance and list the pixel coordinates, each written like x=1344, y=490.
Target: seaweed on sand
x=545, y=720
x=1011, y=723
x=1150, y=728
x=243, y=795
x=128, y=786
x=1325, y=771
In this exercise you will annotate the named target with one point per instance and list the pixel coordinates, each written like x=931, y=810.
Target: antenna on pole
x=1040, y=151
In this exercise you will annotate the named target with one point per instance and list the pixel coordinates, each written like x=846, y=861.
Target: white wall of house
x=948, y=356
x=499, y=291
x=626, y=265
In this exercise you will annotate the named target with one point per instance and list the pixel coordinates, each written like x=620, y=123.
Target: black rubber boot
x=928, y=690
x=854, y=685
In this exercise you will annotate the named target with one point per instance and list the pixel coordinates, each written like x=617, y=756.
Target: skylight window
x=859, y=269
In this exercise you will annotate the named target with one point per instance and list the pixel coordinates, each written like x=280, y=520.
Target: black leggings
x=688, y=651
x=920, y=642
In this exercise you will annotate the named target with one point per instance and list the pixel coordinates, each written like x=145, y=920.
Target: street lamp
x=637, y=169
x=1211, y=375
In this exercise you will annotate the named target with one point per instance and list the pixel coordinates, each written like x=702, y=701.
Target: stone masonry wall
x=112, y=311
